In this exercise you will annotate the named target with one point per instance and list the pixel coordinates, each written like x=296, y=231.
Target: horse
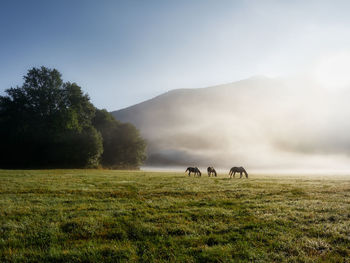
x=194, y=170
x=211, y=170
x=240, y=170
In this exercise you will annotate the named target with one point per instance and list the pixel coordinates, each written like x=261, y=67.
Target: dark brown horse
x=211, y=170
x=194, y=170
x=240, y=170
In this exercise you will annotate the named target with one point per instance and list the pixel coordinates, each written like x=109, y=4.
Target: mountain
x=258, y=122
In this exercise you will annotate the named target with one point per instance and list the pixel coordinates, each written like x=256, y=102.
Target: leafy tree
x=47, y=123
x=52, y=124
x=122, y=143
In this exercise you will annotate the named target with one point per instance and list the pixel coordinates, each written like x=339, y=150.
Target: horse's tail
x=215, y=172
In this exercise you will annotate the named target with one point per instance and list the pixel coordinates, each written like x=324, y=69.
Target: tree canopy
x=48, y=123
x=122, y=144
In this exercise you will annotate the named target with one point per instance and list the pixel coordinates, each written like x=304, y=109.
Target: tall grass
x=135, y=216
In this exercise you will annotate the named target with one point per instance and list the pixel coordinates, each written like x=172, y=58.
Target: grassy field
x=135, y=216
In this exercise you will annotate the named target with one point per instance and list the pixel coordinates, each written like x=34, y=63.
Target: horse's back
x=237, y=169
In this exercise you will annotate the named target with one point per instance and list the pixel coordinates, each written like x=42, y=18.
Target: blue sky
x=124, y=52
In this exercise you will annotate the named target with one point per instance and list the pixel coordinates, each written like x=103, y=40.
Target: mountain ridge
x=255, y=77
x=258, y=122
x=175, y=114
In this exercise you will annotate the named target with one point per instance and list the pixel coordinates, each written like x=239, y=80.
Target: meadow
x=136, y=216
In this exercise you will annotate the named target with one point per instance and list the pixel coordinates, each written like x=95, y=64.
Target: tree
x=47, y=123
x=122, y=143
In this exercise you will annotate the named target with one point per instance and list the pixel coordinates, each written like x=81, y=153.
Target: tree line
x=48, y=123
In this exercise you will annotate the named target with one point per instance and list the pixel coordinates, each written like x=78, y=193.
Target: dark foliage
x=47, y=123
x=122, y=143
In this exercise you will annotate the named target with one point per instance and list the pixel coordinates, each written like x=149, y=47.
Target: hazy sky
x=123, y=52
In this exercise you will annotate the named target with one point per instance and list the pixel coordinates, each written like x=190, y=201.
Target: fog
x=265, y=124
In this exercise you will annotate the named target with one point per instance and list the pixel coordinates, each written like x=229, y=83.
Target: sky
x=125, y=52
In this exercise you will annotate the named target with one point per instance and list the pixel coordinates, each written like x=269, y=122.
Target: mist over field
x=261, y=123
x=111, y=113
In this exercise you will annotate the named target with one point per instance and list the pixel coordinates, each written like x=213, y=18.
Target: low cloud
x=260, y=123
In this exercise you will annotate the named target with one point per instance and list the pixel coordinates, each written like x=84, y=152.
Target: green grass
x=135, y=216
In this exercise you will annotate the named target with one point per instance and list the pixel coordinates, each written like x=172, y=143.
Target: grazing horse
x=194, y=170
x=240, y=170
x=211, y=170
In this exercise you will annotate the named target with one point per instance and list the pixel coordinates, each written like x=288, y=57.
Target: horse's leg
x=240, y=175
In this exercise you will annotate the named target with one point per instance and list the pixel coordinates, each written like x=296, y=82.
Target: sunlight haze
x=124, y=52
x=276, y=73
